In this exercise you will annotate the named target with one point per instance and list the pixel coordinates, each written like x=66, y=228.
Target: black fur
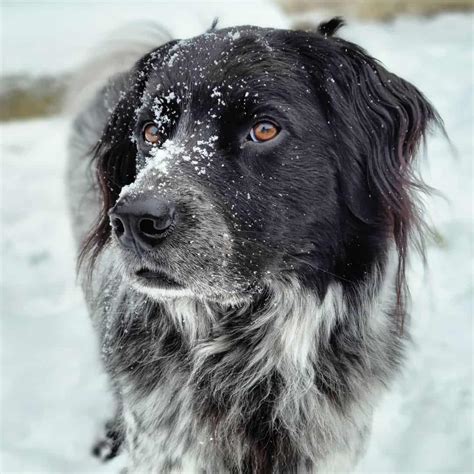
x=324, y=202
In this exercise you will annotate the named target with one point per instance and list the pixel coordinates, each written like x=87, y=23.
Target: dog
x=244, y=203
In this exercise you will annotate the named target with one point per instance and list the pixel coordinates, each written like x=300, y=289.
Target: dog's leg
x=108, y=446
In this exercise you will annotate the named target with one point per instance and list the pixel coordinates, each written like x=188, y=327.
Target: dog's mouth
x=158, y=279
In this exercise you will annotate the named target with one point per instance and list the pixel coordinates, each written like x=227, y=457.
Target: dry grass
x=25, y=97
x=377, y=9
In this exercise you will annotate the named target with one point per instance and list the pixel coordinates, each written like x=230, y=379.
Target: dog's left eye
x=264, y=131
x=151, y=134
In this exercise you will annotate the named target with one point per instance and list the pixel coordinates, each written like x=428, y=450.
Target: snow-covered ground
x=53, y=391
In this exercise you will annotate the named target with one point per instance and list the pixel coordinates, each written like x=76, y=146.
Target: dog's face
x=243, y=155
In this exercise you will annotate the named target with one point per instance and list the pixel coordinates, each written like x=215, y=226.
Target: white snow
x=54, y=395
x=49, y=37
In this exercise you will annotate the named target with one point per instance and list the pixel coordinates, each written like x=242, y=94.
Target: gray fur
x=331, y=358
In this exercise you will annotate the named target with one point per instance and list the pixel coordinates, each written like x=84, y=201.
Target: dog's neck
x=286, y=314
x=264, y=364
x=283, y=315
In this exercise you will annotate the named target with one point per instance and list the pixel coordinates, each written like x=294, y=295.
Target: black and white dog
x=243, y=240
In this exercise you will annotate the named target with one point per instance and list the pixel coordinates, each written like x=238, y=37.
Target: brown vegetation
x=376, y=9
x=24, y=97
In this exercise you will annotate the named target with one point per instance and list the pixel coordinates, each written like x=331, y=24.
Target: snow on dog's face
x=246, y=154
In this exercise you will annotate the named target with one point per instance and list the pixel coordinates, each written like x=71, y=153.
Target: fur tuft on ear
x=330, y=27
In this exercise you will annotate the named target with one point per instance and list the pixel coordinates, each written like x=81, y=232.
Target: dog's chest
x=163, y=405
x=188, y=408
x=160, y=431
x=152, y=367
x=163, y=435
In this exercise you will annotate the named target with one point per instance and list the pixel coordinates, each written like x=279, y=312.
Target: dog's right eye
x=151, y=134
x=263, y=131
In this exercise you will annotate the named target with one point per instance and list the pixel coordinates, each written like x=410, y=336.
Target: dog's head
x=246, y=154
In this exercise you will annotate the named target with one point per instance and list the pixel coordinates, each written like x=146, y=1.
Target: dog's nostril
x=151, y=227
x=117, y=224
x=142, y=224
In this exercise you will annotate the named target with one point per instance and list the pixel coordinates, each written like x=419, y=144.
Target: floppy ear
x=379, y=121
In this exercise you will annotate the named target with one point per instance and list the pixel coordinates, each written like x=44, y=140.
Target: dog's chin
x=158, y=284
x=161, y=293
x=163, y=287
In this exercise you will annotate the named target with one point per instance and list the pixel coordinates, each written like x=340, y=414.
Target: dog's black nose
x=142, y=223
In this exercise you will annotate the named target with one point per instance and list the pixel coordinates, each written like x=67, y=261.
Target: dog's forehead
x=240, y=54
x=217, y=48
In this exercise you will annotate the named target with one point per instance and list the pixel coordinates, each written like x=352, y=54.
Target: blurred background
x=54, y=395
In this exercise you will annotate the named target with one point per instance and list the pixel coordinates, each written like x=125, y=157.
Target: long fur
x=292, y=257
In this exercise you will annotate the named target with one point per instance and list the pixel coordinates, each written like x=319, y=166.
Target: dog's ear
x=377, y=120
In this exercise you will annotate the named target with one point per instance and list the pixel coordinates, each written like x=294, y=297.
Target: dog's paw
x=108, y=447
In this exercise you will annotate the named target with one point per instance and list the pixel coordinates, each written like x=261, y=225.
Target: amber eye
x=151, y=134
x=264, y=131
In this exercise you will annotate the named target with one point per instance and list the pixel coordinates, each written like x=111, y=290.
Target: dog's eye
x=264, y=131
x=151, y=134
